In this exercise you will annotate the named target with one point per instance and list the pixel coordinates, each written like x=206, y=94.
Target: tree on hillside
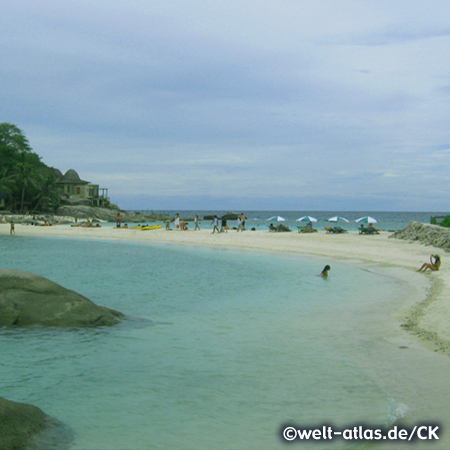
x=7, y=180
x=12, y=143
x=22, y=173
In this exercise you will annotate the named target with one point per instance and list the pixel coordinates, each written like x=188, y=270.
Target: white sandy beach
x=425, y=308
x=380, y=251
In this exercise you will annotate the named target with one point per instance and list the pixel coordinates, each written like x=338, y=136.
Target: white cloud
x=235, y=99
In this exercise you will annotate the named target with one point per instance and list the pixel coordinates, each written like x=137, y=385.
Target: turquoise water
x=222, y=347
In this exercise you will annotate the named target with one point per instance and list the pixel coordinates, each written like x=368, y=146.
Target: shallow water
x=222, y=347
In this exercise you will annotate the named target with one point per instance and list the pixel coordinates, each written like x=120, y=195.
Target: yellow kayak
x=153, y=227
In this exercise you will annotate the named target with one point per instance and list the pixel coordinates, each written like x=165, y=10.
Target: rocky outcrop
x=29, y=299
x=19, y=424
x=77, y=201
x=108, y=215
x=228, y=216
x=231, y=216
x=425, y=233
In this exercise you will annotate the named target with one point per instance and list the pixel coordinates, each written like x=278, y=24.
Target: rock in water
x=19, y=424
x=29, y=299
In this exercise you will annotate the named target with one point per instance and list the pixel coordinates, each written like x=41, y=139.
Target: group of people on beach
x=224, y=224
x=88, y=224
x=434, y=264
x=182, y=224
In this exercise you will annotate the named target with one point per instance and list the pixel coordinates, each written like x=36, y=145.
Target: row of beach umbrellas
x=365, y=219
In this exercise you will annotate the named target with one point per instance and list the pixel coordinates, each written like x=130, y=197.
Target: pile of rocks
x=425, y=233
x=71, y=213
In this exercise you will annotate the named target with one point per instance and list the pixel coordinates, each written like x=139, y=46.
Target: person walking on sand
x=224, y=226
x=215, y=222
x=434, y=264
x=12, y=229
x=177, y=221
x=196, y=221
x=239, y=221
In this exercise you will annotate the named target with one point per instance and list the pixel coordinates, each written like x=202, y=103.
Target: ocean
x=222, y=348
x=260, y=219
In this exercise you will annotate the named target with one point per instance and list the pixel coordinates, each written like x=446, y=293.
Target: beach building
x=74, y=189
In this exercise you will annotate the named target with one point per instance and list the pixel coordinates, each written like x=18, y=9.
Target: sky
x=236, y=105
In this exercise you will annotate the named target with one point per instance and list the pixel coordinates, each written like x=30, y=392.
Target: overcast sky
x=267, y=104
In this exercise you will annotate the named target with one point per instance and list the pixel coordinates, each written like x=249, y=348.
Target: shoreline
x=423, y=316
x=407, y=363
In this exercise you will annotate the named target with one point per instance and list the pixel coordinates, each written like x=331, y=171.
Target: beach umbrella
x=306, y=219
x=366, y=219
x=337, y=219
x=277, y=218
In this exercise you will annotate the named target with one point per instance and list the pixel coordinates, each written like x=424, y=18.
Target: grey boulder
x=19, y=424
x=29, y=299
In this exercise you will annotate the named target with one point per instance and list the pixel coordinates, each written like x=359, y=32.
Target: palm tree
x=28, y=178
x=47, y=194
x=14, y=147
x=8, y=182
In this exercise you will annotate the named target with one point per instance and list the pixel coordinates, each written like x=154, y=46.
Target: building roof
x=57, y=173
x=71, y=177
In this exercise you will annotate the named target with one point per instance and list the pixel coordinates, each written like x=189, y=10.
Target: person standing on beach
x=196, y=221
x=177, y=221
x=215, y=222
x=118, y=220
x=12, y=229
x=243, y=221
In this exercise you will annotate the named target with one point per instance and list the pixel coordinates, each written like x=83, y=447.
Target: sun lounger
x=335, y=230
x=280, y=228
x=306, y=229
x=368, y=231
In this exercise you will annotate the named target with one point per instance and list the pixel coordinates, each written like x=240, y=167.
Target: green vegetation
x=445, y=222
x=28, y=182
